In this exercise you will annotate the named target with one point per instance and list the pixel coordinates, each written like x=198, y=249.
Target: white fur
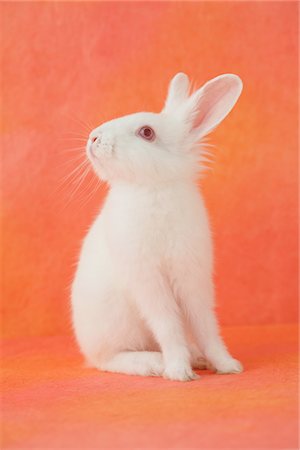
x=143, y=295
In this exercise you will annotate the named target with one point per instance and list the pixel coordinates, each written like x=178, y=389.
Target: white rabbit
x=143, y=294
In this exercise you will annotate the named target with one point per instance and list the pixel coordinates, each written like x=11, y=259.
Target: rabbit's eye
x=147, y=133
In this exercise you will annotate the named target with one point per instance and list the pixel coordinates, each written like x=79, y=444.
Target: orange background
x=95, y=61
x=64, y=63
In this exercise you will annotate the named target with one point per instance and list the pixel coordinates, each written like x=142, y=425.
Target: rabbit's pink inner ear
x=212, y=103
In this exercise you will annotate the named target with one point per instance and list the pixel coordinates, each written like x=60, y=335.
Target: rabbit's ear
x=178, y=92
x=208, y=106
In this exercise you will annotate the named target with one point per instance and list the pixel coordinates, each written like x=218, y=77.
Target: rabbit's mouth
x=100, y=146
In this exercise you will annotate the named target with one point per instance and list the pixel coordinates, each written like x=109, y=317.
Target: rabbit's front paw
x=229, y=365
x=180, y=373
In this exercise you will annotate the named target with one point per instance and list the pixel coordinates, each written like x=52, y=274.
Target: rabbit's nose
x=95, y=138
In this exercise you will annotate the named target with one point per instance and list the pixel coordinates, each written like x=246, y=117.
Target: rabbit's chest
x=146, y=229
x=156, y=228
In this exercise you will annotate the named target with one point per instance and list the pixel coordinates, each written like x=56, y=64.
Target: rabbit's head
x=158, y=147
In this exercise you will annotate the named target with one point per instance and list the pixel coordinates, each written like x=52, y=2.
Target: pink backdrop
x=95, y=61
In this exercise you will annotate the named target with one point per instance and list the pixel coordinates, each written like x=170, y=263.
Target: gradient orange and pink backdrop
x=68, y=63
x=96, y=61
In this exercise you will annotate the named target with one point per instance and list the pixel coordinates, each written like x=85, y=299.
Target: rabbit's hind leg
x=135, y=363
